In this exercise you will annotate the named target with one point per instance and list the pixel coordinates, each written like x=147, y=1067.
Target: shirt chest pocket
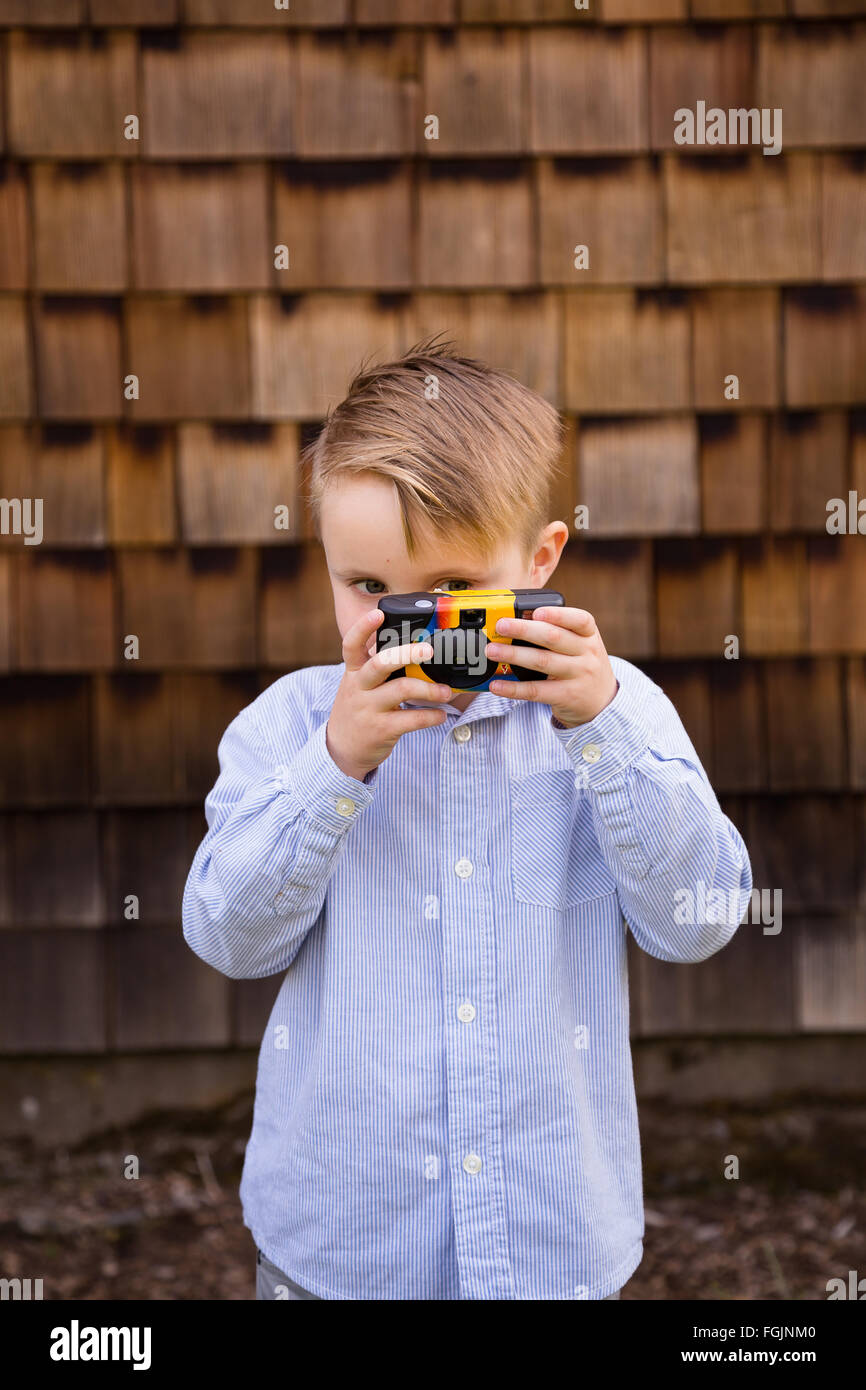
x=555, y=857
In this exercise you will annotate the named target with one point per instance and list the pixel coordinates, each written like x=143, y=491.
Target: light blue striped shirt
x=445, y=1105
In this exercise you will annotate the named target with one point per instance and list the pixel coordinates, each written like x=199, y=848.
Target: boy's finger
x=355, y=652
x=380, y=666
x=575, y=619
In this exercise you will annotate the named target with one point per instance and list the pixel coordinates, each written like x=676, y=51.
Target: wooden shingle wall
x=155, y=258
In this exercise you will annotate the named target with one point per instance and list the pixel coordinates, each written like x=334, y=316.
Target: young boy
x=445, y=1106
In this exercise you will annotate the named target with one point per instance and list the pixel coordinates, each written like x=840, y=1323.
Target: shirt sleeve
x=276, y=831
x=681, y=867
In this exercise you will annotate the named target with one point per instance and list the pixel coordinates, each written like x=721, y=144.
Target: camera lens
x=472, y=617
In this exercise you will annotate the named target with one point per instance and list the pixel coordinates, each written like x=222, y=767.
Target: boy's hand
x=580, y=679
x=365, y=721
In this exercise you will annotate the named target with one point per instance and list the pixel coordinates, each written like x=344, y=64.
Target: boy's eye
x=465, y=583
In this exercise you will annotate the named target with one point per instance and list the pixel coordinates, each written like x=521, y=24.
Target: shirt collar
x=483, y=706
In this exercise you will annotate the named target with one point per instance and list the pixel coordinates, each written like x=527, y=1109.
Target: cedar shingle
x=200, y=227
x=16, y=382
x=248, y=13
x=79, y=225
x=69, y=93
x=57, y=873
x=6, y=610
x=698, y=597
x=232, y=478
x=806, y=729
x=139, y=12
x=475, y=226
x=16, y=482
x=62, y=465
x=406, y=12
x=189, y=608
x=808, y=464
x=517, y=331
x=6, y=919
x=735, y=333
x=614, y=208
x=156, y=737
x=496, y=11
x=825, y=345
x=161, y=994
x=837, y=594
x=217, y=94
x=811, y=8
x=359, y=98
x=726, y=994
x=190, y=356
x=321, y=210
x=642, y=11
x=78, y=358
x=564, y=491
x=37, y=12
x=814, y=73
x=843, y=216
x=688, y=689
x=204, y=706
x=613, y=581
x=65, y=611
x=733, y=466
x=52, y=991
x=44, y=739
x=736, y=9
x=742, y=217
x=804, y=845
x=148, y=854
x=775, y=597
x=297, y=612
x=831, y=974
x=136, y=758
x=640, y=477
x=587, y=90
x=14, y=227
x=306, y=348
x=473, y=84
x=140, y=486
x=855, y=697
x=626, y=350
x=691, y=64
x=254, y=1000
x=739, y=725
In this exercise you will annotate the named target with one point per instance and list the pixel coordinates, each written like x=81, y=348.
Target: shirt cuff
x=610, y=742
x=327, y=793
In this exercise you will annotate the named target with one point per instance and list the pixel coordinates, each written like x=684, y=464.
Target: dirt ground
x=794, y=1218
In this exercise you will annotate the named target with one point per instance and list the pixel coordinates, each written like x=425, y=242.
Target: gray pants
x=272, y=1283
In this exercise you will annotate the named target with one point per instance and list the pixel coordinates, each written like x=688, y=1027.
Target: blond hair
x=473, y=452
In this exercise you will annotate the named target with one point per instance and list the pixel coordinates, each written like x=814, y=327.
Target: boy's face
x=366, y=554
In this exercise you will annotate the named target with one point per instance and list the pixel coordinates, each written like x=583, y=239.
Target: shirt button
x=466, y=1013
x=345, y=806
x=463, y=868
x=472, y=1163
x=462, y=733
x=590, y=753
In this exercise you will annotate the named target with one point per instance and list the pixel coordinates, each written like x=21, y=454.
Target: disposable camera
x=458, y=626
